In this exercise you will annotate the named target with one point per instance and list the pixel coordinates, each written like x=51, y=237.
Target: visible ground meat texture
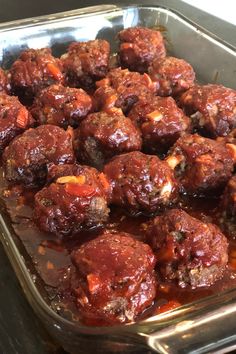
x=86, y=62
x=139, y=47
x=141, y=183
x=77, y=198
x=212, y=108
x=173, y=75
x=122, y=88
x=34, y=70
x=105, y=134
x=202, y=165
x=4, y=82
x=61, y=106
x=230, y=138
x=228, y=203
x=26, y=157
x=188, y=250
x=115, y=280
x=14, y=119
x=161, y=122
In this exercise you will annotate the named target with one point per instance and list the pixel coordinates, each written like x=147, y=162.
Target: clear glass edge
x=103, y=9
x=59, y=16
x=160, y=321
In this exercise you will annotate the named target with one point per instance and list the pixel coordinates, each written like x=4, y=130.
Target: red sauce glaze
x=161, y=122
x=51, y=256
x=188, y=251
x=104, y=134
x=139, y=47
x=62, y=106
x=212, y=108
x=116, y=277
x=14, y=119
x=122, y=88
x=76, y=199
x=173, y=75
x=4, y=82
x=26, y=157
x=34, y=70
x=86, y=62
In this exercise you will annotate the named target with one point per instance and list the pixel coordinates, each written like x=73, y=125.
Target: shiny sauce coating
x=51, y=256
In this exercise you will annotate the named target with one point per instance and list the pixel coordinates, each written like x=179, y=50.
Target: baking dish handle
x=214, y=331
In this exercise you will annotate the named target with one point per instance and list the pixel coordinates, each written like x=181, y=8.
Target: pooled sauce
x=51, y=256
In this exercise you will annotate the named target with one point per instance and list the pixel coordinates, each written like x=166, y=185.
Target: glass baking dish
x=200, y=327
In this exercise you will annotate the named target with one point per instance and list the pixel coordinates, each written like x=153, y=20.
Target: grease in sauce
x=51, y=256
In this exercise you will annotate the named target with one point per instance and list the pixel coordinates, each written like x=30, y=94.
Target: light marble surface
x=226, y=10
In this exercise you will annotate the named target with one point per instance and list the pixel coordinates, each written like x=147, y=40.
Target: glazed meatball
x=34, y=70
x=4, y=82
x=14, y=119
x=161, y=122
x=76, y=198
x=105, y=134
x=212, y=108
x=141, y=183
x=139, y=47
x=202, y=165
x=26, y=157
x=173, y=75
x=114, y=279
x=188, y=250
x=61, y=106
x=122, y=88
x=229, y=198
x=86, y=62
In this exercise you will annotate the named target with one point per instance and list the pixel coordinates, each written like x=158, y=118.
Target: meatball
x=105, y=134
x=139, y=47
x=34, y=70
x=141, y=183
x=173, y=75
x=4, y=82
x=14, y=119
x=115, y=280
x=202, y=165
x=76, y=198
x=25, y=159
x=122, y=88
x=61, y=106
x=161, y=122
x=86, y=62
x=188, y=250
x=212, y=108
x=228, y=203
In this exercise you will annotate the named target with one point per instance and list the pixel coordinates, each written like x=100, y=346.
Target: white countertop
x=226, y=10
